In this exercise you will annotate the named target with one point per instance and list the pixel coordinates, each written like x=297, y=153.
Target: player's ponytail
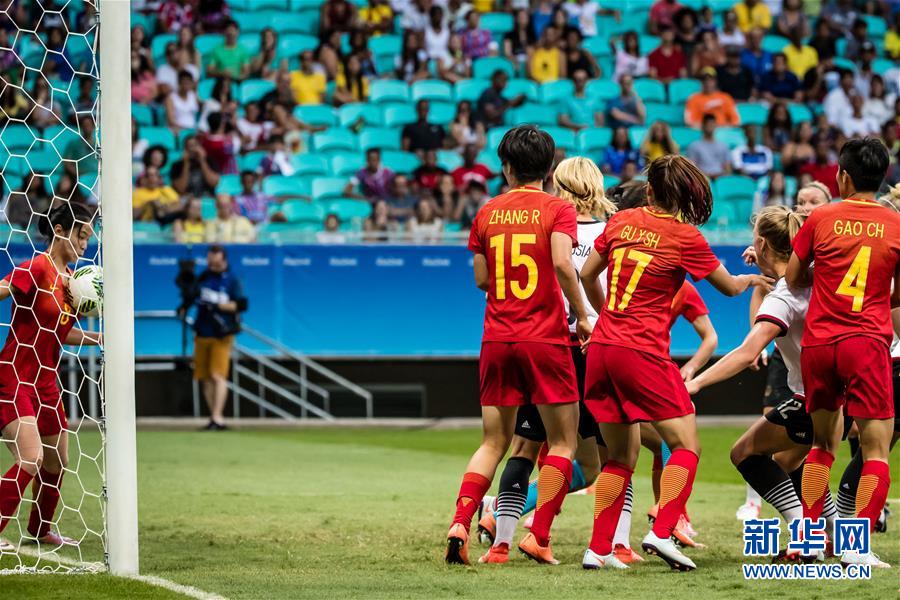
x=579, y=181
x=778, y=225
x=680, y=187
x=67, y=215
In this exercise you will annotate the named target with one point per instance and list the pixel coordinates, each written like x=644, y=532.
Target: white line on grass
x=185, y=590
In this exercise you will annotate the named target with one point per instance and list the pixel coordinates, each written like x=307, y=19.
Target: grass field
x=362, y=514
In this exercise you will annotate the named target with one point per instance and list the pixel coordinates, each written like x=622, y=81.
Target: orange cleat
x=627, y=555
x=651, y=513
x=487, y=527
x=682, y=537
x=497, y=555
x=457, y=545
x=542, y=554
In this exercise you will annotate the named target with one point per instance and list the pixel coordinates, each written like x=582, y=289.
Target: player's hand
x=749, y=256
x=747, y=281
x=687, y=373
x=761, y=361
x=583, y=330
x=692, y=388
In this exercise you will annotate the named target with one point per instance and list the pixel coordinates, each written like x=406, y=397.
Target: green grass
x=362, y=514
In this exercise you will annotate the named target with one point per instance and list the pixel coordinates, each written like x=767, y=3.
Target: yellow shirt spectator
x=892, y=44
x=192, y=232
x=142, y=200
x=233, y=230
x=376, y=17
x=308, y=88
x=800, y=60
x=483, y=6
x=545, y=64
x=753, y=15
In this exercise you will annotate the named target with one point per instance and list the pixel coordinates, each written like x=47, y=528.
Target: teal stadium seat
x=229, y=184
x=162, y=136
x=432, y=89
x=252, y=160
x=399, y=161
x=442, y=113
x=347, y=163
x=310, y=164
x=498, y=23
x=316, y=114
x=398, y=115
x=253, y=90
x=532, y=114
x=143, y=114
x=484, y=68
x=490, y=159
x=207, y=42
x=636, y=135
x=205, y=88
x=18, y=137
x=370, y=114
x=682, y=89
x=379, y=137
x=348, y=209
x=328, y=187
x=386, y=45
x=882, y=65
x=593, y=139
x=648, y=43
x=557, y=91
x=877, y=25
x=250, y=42
x=602, y=90
x=800, y=113
x=158, y=46
x=303, y=4
x=597, y=45
x=610, y=181
x=388, y=90
x=774, y=43
x=685, y=136
x=257, y=20
x=301, y=211
x=650, y=90
x=449, y=160
x=291, y=45
x=723, y=215
x=469, y=89
x=731, y=136
x=671, y=114
x=562, y=137
x=752, y=114
x=260, y=4
x=334, y=139
x=283, y=185
x=208, y=208
x=522, y=86
x=731, y=188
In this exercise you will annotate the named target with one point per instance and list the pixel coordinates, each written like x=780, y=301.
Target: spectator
x=155, y=156
x=708, y=54
x=710, y=154
x=865, y=68
x=80, y=155
x=840, y=15
x=779, y=83
x=686, y=34
x=859, y=34
x=628, y=57
x=373, y=180
x=823, y=41
x=824, y=167
x=751, y=159
x=626, y=109
x=67, y=188
x=799, y=150
x=457, y=13
x=519, y=40
x=476, y=42
x=731, y=34
x=577, y=58
x=792, y=18
x=415, y=17
x=658, y=142
x=401, y=198
x=230, y=58
x=474, y=196
x=185, y=41
x=855, y=123
x=779, y=127
x=734, y=78
x=221, y=100
x=151, y=198
x=837, y=103
x=412, y=62
x=359, y=48
x=428, y=174
x=706, y=21
x=446, y=197
x=182, y=105
x=753, y=14
x=421, y=135
x=879, y=106
x=350, y=84
x=192, y=174
x=264, y=65
x=332, y=232
x=437, y=34
x=492, y=105
x=753, y=57
x=139, y=145
x=800, y=57
x=222, y=144
x=819, y=78
x=584, y=13
x=773, y=193
x=629, y=171
x=471, y=170
x=710, y=101
x=278, y=160
x=220, y=300
x=20, y=207
x=425, y=226
x=176, y=61
x=376, y=18
x=227, y=227
x=668, y=61
x=190, y=228
x=175, y=15
x=138, y=42
x=579, y=110
x=892, y=38
x=330, y=54
x=144, y=89
x=308, y=83
x=464, y=130
x=378, y=225
x=253, y=129
x=213, y=16
x=454, y=66
x=337, y=15
x=547, y=61
x=662, y=15
x=618, y=153
x=252, y=202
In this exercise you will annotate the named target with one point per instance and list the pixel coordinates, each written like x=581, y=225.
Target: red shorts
x=517, y=373
x=623, y=385
x=855, y=370
x=47, y=406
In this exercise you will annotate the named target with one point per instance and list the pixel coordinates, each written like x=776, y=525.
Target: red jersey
x=687, y=303
x=855, y=246
x=41, y=320
x=649, y=253
x=512, y=231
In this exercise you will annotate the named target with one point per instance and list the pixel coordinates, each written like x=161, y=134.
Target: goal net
x=50, y=157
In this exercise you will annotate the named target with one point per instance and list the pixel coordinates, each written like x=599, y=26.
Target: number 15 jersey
x=855, y=247
x=649, y=253
x=513, y=232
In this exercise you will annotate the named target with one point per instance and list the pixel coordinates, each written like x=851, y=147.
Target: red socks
x=553, y=485
x=675, y=489
x=814, y=485
x=609, y=496
x=874, y=481
x=46, y=498
x=471, y=492
x=12, y=487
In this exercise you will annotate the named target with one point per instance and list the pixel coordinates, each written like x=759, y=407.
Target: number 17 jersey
x=513, y=232
x=649, y=253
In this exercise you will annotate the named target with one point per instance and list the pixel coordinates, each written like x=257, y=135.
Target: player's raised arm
x=590, y=279
x=735, y=285
x=742, y=357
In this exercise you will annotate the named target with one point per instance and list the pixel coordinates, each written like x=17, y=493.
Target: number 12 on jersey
x=642, y=259
x=517, y=258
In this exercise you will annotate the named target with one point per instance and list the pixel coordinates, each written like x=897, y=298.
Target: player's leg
x=651, y=441
x=24, y=442
x=875, y=437
x=46, y=490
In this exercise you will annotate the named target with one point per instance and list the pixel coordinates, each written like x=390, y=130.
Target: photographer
x=193, y=175
x=219, y=298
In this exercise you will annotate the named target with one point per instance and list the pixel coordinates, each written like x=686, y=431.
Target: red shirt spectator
x=470, y=170
x=824, y=167
x=175, y=15
x=668, y=61
x=662, y=14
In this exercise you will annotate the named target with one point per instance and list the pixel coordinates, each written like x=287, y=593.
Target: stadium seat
x=379, y=137
x=682, y=89
x=310, y=164
x=291, y=45
x=752, y=113
x=844, y=63
x=731, y=136
x=602, y=90
x=723, y=214
x=159, y=135
x=205, y=88
x=597, y=45
x=253, y=90
x=533, y=114
x=684, y=136
x=449, y=159
x=301, y=211
x=347, y=209
x=143, y=114
x=498, y=23
x=648, y=43
x=328, y=187
x=399, y=161
x=335, y=138
x=562, y=137
x=316, y=114
x=877, y=25
x=257, y=20
x=774, y=43
x=636, y=135
x=386, y=45
x=208, y=208
x=207, y=42
x=15, y=136
x=47, y=160
x=490, y=159
x=432, y=89
x=260, y=5
x=556, y=91
x=398, y=115
x=229, y=184
x=158, y=46
x=799, y=113
x=283, y=185
x=388, y=90
x=484, y=68
x=650, y=90
x=593, y=139
x=882, y=65
x=347, y=163
x=669, y=113
x=610, y=181
x=729, y=188
x=469, y=89
x=371, y=114
x=522, y=86
x=251, y=160
x=442, y=113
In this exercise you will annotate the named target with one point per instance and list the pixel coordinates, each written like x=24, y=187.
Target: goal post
x=118, y=314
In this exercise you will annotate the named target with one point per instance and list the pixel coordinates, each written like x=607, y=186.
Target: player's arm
x=895, y=295
x=590, y=279
x=5, y=289
x=78, y=337
x=561, y=251
x=734, y=285
x=798, y=274
x=709, y=340
x=738, y=359
x=895, y=318
x=481, y=272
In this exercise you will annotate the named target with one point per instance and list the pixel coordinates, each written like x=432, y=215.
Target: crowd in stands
x=368, y=119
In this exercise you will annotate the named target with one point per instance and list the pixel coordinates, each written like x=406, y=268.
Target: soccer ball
x=86, y=288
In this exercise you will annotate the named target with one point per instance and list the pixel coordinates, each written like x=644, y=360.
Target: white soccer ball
x=86, y=289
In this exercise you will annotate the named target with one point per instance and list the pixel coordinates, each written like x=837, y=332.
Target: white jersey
x=895, y=348
x=588, y=231
x=787, y=309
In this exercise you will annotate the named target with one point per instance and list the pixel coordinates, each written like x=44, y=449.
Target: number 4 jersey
x=649, y=254
x=513, y=232
x=855, y=245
